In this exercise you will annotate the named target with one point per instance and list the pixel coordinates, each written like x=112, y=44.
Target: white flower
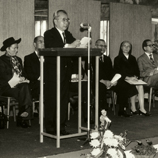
x=119, y=138
x=112, y=152
x=96, y=151
x=111, y=142
x=94, y=135
x=103, y=112
x=108, y=134
x=95, y=143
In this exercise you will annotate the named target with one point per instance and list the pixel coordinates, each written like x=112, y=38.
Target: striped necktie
x=63, y=33
x=151, y=59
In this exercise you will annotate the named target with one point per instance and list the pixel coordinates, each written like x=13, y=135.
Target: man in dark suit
x=32, y=67
x=148, y=64
x=106, y=73
x=58, y=36
x=12, y=80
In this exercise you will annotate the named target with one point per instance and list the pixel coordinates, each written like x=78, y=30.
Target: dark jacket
x=53, y=39
x=126, y=67
x=32, y=67
x=6, y=72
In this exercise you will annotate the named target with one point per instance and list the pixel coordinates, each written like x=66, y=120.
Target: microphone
x=84, y=25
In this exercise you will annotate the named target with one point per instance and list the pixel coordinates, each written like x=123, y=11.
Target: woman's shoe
x=134, y=112
x=145, y=114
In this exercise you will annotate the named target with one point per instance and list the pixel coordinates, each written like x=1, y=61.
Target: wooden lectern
x=58, y=52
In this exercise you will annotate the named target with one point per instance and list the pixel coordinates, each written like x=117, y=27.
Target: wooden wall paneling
x=127, y=22
x=78, y=11
x=154, y=32
x=1, y=25
x=94, y=19
x=17, y=20
x=26, y=27
x=142, y=27
x=115, y=26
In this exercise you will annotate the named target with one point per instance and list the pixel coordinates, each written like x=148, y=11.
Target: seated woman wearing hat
x=13, y=82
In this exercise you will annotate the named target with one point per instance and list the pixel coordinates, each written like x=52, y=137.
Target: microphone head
x=81, y=25
x=84, y=25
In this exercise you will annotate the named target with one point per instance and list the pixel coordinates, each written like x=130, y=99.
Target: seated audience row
x=14, y=81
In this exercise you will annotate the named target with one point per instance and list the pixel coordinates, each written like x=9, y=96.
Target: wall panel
x=17, y=20
x=78, y=11
x=129, y=22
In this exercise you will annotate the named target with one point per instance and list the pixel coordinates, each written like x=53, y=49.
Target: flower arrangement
x=105, y=143
x=144, y=151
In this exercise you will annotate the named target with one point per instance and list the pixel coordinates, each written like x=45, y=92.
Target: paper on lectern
x=84, y=41
x=138, y=82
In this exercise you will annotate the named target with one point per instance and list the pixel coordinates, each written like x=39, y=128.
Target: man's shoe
x=64, y=132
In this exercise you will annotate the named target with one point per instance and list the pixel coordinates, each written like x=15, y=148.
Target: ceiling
x=41, y=6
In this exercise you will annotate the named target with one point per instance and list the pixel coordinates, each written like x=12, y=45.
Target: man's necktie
x=64, y=37
x=102, y=58
x=151, y=59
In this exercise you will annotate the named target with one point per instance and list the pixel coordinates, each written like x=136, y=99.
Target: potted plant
x=144, y=151
x=105, y=143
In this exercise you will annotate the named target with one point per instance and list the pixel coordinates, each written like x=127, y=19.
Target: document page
x=139, y=82
x=84, y=41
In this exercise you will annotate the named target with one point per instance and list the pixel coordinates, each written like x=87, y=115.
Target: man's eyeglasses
x=103, y=46
x=65, y=20
x=150, y=45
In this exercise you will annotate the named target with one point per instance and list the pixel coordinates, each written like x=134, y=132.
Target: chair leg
x=153, y=97
x=150, y=97
x=69, y=107
x=8, y=112
x=113, y=102
x=14, y=112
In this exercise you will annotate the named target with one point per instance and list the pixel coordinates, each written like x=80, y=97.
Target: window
x=40, y=27
x=154, y=29
x=104, y=32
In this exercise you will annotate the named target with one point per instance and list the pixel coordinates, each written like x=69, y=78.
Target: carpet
x=17, y=142
x=82, y=153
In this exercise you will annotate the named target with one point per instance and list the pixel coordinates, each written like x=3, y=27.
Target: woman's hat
x=8, y=42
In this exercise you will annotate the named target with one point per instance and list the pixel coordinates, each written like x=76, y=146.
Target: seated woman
x=126, y=65
x=13, y=82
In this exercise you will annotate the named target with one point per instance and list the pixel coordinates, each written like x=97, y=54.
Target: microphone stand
x=88, y=106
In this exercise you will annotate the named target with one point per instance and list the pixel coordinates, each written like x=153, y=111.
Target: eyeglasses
x=103, y=46
x=150, y=45
x=65, y=20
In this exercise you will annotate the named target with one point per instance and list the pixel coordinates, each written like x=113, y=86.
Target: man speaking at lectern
x=57, y=37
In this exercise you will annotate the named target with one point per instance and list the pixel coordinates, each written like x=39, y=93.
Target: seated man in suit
x=12, y=80
x=106, y=73
x=148, y=64
x=32, y=67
